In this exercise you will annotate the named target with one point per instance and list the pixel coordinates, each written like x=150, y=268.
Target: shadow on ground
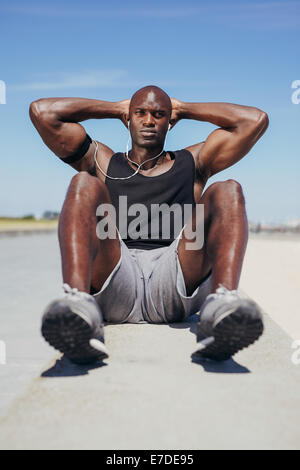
x=224, y=367
x=65, y=368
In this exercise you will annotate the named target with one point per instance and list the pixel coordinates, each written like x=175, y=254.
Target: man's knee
x=83, y=179
x=83, y=185
x=229, y=191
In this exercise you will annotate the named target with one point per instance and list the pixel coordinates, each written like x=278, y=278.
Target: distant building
x=50, y=215
x=288, y=227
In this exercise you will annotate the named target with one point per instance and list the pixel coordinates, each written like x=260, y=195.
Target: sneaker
x=228, y=323
x=73, y=324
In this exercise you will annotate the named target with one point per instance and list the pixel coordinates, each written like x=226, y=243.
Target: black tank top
x=150, y=222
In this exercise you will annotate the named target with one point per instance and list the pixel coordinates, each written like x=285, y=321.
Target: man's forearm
x=78, y=109
x=224, y=115
x=57, y=120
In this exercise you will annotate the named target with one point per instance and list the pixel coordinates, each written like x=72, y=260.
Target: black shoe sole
x=70, y=334
x=235, y=332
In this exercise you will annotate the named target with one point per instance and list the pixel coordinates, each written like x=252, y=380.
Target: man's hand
x=176, y=112
x=124, y=111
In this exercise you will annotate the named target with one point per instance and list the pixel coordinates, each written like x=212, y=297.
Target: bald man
x=137, y=271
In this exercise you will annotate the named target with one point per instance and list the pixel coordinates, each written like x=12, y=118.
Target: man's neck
x=140, y=155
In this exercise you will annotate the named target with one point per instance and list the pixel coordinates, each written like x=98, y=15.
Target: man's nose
x=149, y=120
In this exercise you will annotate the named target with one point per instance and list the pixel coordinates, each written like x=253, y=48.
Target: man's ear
x=171, y=124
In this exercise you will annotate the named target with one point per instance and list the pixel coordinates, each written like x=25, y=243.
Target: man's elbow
x=255, y=124
x=263, y=121
x=39, y=110
x=260, y=121
x=35, y=109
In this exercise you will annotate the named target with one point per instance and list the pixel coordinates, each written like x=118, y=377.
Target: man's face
x=149, y=119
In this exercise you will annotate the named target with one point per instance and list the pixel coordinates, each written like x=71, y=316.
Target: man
x=161, y=278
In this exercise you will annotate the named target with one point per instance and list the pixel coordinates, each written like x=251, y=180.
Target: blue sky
x=245, y=52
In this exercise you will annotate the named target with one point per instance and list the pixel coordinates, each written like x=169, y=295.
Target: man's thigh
x=195, y=262
x=120, y=295
x=108, y=256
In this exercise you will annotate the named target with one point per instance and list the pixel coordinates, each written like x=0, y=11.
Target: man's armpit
x=196, y=150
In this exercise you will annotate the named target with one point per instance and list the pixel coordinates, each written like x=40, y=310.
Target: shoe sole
x=70, y=334
x=231, y=334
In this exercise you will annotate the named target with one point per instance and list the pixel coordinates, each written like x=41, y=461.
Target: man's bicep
x=72, y=145
x=223, y=148
x=77, y=149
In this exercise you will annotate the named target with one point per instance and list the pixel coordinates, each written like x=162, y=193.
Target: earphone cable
x=125, y=177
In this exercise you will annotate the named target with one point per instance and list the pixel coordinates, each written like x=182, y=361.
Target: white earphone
x=127, y=152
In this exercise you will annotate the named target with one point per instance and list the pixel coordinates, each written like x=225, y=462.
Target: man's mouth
x=148, y=133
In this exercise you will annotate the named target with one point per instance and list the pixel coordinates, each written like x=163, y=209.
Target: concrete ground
x=148, y=394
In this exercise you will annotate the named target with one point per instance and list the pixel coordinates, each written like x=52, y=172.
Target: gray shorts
x=147, y=286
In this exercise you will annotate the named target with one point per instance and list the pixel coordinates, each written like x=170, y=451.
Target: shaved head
x=149, y=117
x=151, y=94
